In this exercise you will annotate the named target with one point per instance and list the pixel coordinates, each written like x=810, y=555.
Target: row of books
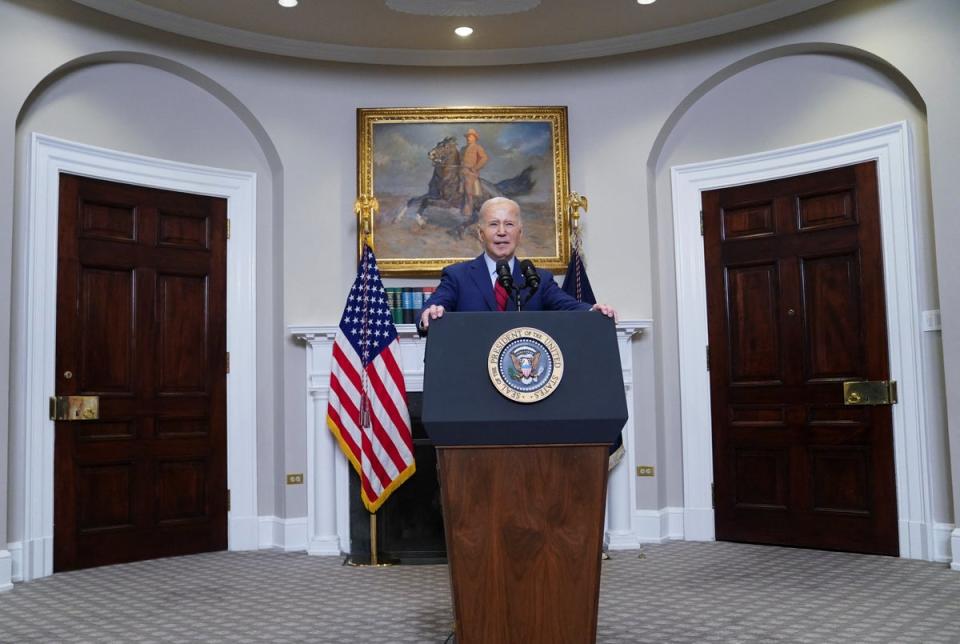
x=406, y=301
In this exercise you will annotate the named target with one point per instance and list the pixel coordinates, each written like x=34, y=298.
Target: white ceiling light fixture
x=288, y=3
x=646, y=1
x=463, y=32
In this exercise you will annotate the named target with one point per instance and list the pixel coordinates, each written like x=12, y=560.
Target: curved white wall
x=147, y=111
x=617, y=108
x=775, y=104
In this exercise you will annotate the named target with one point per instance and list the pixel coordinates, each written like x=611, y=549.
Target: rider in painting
x=472, y=159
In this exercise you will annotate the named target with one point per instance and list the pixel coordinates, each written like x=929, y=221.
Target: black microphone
x=530, y=274
x=504, y=276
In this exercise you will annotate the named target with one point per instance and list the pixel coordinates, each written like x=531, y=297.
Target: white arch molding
x=890, y=146
x=34, y=347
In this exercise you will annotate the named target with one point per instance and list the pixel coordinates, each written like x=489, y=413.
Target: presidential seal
x=525, y=364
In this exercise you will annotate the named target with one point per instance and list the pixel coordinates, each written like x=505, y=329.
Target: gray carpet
x=678, y=592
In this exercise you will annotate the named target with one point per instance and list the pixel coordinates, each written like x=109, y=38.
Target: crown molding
x=194, y=28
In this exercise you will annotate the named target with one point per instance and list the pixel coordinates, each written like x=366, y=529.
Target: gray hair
x=495, y=202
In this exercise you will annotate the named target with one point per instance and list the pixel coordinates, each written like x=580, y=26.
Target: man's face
x=471, y=138
x=500, y=231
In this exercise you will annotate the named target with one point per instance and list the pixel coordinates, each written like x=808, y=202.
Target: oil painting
x=431, y=169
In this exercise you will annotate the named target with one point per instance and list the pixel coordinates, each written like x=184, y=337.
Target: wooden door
x=796, y=306
x=141, y=323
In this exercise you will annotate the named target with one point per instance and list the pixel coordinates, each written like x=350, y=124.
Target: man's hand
x=432, y=312
x=609, y=311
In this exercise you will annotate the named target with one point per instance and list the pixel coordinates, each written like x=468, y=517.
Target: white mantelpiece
x=328, y=509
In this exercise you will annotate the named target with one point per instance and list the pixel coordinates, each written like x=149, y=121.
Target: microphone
x=504, y=276
x=530, y=274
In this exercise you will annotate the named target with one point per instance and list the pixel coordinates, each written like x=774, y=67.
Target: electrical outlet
x=294, y=479
x=645, y=470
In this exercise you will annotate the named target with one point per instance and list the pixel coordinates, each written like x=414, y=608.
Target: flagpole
x=374, y=559
x=365, y=207
x=575, y=202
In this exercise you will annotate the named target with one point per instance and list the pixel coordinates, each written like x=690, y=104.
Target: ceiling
x=420, y=32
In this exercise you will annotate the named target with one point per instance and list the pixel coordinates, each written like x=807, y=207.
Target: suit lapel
x=478, y=271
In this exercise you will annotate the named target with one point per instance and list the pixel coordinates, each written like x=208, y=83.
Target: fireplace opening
x=410, y=522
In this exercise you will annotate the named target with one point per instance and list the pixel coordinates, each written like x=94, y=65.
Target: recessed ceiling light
x=646, y=1
x=463, y=32
x=288, y=3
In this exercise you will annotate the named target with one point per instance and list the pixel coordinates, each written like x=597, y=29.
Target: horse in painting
x=442, y=204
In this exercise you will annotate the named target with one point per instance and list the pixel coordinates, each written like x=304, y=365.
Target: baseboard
x=326, y=547
x=648, y=526
x=955, y=549
x=698, y=524
x=243, y=533
x=288, y=534
x=620, y=540
x=6, y=571
x=941, y=541
x=674, y=523
x=16, y=560
x=31, y=559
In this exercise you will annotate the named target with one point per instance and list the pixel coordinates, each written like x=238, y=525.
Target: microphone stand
x=529, y=296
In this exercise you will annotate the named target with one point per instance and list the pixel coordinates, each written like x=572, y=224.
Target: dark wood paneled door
x=796, y=306
x=141, y=323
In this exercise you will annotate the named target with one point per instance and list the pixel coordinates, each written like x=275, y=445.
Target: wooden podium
x=523, y=485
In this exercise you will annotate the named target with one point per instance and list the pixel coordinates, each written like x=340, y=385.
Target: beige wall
x=631, y=117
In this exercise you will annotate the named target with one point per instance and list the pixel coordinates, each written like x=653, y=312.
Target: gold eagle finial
x=575, y=202
x=365, y=207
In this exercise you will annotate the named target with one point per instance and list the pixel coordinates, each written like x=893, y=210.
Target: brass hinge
x=228, y=228
x=228, y=362
x=701, y=223
x=708, y=357
x=228, y=500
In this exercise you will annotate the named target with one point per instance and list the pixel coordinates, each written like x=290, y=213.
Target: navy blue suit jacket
x=467, y=287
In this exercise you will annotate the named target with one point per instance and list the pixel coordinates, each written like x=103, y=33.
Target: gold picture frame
x=409, y=160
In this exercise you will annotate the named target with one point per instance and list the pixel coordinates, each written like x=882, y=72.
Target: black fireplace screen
x=410, y=522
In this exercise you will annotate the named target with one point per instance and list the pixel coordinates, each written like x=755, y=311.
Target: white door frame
x=890, y=146
x=35, y=344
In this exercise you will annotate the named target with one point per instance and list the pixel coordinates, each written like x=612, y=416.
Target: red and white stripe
x=383, y=453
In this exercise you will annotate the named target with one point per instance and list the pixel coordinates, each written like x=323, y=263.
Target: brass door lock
x=74, y=408
x=869, y=392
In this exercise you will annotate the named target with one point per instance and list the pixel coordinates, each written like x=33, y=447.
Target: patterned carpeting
x=678, y=592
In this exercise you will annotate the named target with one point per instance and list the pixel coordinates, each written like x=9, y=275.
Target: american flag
x=576, y=283
x=367, y=411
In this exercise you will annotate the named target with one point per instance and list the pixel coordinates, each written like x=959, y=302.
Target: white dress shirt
x=492, y=268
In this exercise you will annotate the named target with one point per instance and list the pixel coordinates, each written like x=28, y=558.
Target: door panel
x=831, y=317
x=141, y=323
x=795, y=306
x=752, y=305
x=182, y=315
x=106, y=340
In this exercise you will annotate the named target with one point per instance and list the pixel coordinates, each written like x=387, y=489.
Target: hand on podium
x=607, y=310
x=432, y=312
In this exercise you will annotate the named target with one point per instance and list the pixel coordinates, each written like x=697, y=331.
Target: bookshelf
x=406, y=301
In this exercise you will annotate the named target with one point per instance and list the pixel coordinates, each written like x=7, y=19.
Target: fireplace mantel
x=328, y=504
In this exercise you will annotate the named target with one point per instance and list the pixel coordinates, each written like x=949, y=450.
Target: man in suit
x=472, y=285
